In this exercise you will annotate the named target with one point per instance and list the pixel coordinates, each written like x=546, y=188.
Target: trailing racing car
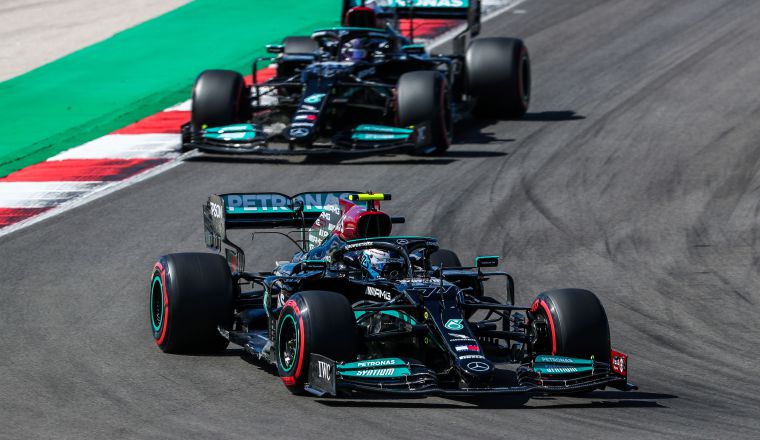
x=360, y=310
x=361, y=88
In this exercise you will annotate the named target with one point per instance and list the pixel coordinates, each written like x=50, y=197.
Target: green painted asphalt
x=140, y=71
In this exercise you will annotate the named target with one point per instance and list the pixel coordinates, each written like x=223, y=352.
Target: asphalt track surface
x=635, y=175
x=35, y=32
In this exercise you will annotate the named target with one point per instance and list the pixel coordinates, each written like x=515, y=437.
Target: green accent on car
x=382, y=368
x=298, y=341
x=395, y=313
x=367, y=132
x=486, y=256
x=413, y=48
x=550, y=364
x=348, y=29
x=560, y=369
x=139, y=72
x=545, y=358
x=379, y=137
x=487, y=261
x=384, y=129
x=378, y=372
x=372, y=363
x=259, y=204
x=454, y=324
x=315, y=98
x=156, y=325
x=238, y=132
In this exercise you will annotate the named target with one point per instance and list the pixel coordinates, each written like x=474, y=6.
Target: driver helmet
x=355, y=50
x=376, y=263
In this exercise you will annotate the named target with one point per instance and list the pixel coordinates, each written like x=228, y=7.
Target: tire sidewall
x=577, y=322
x=325, y=325
x=291, y=314
x=431, y=98
x=446, y=257
x=191, y=313
x=498, y=77
x=210, y=88
x=159, y=287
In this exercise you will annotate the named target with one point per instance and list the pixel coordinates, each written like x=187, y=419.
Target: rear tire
x=317, y=322
x=218, y=99
x=423, y=100
x=191, y=295
x=445, y=257
x=579, y=323
x=498, y=77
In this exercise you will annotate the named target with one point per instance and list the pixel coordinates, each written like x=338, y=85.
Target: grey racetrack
x=636, y=175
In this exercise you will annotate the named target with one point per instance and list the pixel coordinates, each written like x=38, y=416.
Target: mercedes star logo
x=299, y=132
x=478, y=366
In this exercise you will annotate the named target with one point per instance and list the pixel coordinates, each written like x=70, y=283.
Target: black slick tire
x=577, y=324
x=498, y=77
x=191, y=295
x=318, y=322
x=218, y=99
x=445, y=258
x=423, y=102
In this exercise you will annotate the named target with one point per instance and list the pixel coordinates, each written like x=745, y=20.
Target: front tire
x=191, y=295
x=445, y=257
x=577, y=324
x=498, y=77
x=317, y=322
x=218, y=99
x=423, y=101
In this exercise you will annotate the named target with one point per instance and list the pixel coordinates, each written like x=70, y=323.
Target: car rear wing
x=266, y=210
x=468, y=10
x=262, y=211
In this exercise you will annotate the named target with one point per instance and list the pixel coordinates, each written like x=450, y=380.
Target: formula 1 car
x=359, y=310
x=361, y=88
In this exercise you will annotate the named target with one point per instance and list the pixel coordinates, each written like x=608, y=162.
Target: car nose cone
x=479, y=369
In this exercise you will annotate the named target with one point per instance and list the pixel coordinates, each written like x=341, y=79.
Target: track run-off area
x=634, y=175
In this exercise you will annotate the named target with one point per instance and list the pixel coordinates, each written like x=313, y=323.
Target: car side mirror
x=413, y=49
x=486, y=261
x=275, y=48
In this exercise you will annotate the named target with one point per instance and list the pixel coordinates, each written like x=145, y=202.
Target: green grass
x=140, y=71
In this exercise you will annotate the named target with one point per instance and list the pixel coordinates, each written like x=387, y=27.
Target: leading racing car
x=360, y=310
x=362, y=88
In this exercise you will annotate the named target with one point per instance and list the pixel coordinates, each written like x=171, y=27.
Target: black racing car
x=361, y=88
x=359, y=310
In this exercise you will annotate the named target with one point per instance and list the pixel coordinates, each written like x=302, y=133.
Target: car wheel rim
x=288, y=344
x=156, y=304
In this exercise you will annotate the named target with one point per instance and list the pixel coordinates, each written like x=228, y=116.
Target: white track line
x=41, y=194
x=126, y=146
x=106, y=189
x=184, y=106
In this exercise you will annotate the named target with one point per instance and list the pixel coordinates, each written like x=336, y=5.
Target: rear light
x=619, y=362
